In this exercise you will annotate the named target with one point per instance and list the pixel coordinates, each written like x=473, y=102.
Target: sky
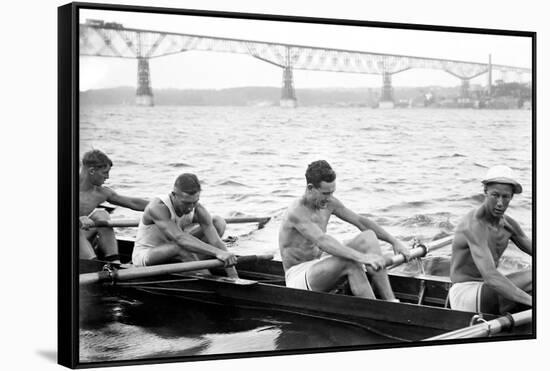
x=212, y=70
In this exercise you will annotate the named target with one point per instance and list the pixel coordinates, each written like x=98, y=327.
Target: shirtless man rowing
x=315, y=261
x=93, y=173
x=168, y=229
x=480, y=240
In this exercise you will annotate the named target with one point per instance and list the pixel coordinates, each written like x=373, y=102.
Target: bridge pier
x=489, y=77
x=144, y=93
x=386, y=98
x=465, y=89
x=288, y=95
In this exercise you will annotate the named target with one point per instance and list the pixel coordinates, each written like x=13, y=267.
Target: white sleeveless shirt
x=149, y=235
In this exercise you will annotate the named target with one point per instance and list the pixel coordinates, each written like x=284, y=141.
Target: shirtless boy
x=93, y=173
x=480, y=240
x=314, y=260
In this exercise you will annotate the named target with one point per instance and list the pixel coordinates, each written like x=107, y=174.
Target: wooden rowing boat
x=423, y=312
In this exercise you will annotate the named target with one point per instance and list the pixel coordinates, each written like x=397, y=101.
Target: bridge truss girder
x=133, y=43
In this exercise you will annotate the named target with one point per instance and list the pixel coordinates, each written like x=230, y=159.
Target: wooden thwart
x=159, y=270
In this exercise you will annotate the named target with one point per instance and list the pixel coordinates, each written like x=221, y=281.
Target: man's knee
x=351, y=266
x=100, y=214
x=369, y=236
x=220, y=224
x=367, y=242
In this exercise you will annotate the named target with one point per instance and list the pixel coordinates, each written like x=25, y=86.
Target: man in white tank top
x=162, y=235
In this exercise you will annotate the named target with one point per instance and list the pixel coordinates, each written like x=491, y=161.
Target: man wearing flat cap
x=480, y=240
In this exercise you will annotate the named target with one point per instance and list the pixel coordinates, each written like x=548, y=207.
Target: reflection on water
x=130, y=325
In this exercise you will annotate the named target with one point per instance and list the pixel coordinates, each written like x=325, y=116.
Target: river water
x=416, y=172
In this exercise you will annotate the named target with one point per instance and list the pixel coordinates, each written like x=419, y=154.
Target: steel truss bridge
x=112, y=40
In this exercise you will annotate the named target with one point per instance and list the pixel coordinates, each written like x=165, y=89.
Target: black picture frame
x=68, y=169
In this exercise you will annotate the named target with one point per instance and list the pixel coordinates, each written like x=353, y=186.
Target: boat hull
x=422, y=312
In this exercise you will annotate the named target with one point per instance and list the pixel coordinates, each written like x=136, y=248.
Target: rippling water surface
x=416, y=172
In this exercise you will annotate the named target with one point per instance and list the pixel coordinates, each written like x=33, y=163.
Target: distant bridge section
x=113, y=40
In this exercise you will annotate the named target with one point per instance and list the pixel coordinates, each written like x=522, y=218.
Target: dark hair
x=188, y=183
x=319, y=171
x=96, y=158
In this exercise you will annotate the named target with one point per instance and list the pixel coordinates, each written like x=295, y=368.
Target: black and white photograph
x=258, y=185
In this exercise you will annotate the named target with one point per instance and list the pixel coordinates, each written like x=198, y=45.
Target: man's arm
x=329, y=244
x=134, y=203
x=212, y=236
x=364, y=223
x=477, y=237
x=160, y=215
x=519, y=238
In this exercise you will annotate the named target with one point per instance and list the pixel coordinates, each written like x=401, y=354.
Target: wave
x=126, y=162
x=241, y=197
x=477, y=198
x=454, y=155
x=512, y=264
x=480, y=165
x=179, y=164
x=438, y=220
x=231, y=183
x=259, y=153
x=405, y=205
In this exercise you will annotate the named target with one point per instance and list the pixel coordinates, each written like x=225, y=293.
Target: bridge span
x=100, y=39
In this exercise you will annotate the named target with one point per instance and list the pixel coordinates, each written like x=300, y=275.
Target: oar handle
x=416, y=252
x=158, y=270
x=419, y=251
x=117, y=223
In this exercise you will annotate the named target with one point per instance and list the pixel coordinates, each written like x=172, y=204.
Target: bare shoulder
x=201, y=214
x=295, y=213
x=513, y=225
x=156, y=209
x=106, y=191
x=467, y=221
x=335, y=204
x=465, y=227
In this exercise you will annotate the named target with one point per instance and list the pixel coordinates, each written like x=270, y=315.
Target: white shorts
x=466, y=296
x=139, y=257
x=296, y=276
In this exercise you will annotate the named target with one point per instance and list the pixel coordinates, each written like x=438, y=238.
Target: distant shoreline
x=433, y=96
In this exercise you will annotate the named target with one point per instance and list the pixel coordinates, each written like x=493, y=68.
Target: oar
x=121, y=223
x=419, y=251
x=488, y=328
x=158, y=270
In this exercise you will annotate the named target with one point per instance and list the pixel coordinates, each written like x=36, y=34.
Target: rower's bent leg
x=327, y=273
x=107, y=240
x=522, y=279
x=196, y=231
x=367, y=242
x=219, y=224
x=85, y=249
x=492, y=302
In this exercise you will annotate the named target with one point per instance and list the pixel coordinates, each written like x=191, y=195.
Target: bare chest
x=88, y=201
x=498, y=240
x=320, y=218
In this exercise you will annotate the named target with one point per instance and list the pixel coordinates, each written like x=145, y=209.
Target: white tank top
x=149, y=235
